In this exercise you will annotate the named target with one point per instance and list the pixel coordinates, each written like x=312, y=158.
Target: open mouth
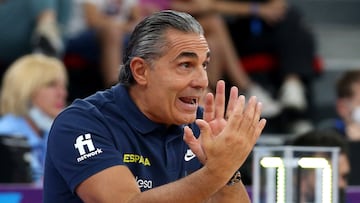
x=189, y=100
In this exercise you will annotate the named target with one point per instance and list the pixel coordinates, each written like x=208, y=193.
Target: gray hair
x=148, y=40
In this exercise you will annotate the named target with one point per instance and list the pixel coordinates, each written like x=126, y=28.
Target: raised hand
x=226, y=136
x=214, y=110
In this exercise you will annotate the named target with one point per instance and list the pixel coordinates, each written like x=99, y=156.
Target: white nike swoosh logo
x=189, y=155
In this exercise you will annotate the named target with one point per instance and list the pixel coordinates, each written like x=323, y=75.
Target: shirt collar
x=137, y=120
x=132, y=114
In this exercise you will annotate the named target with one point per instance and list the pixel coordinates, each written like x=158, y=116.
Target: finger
x=236, y=116
x=260, y=127
x=189, y=137
x=234, y=92
x=220, y=99
x=205, y=137
x=262, y=122
x=209, y=108
x=253, y=128
x=194, y=144
x=247, y=120
x=205, y=130
x=258, y=130
x=258, y=109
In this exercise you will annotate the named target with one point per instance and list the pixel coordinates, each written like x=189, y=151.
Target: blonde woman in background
x=33, y=93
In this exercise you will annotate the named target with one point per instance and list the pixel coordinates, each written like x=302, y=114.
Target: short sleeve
x=80, y=145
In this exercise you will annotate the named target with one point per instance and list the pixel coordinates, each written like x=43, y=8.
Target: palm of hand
x=213, y=122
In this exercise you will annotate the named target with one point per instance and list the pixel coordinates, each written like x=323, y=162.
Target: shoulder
x=85, y=115
x=93, y=104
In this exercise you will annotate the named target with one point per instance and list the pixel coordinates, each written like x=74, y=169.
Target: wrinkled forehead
x=180, y=43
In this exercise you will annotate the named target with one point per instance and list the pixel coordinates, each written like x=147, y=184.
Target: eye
x=205, y=65
x=185, y=65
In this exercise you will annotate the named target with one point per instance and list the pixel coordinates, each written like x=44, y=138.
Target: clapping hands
x=227, y=137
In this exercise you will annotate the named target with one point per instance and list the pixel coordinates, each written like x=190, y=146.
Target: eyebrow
x=190, y=55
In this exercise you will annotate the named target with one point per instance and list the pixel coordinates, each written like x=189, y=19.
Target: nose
x=200, y=78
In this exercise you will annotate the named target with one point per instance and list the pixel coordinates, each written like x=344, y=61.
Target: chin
x=188, y=119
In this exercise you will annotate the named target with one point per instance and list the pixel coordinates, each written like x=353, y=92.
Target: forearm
x=197, y=187
x=232, y=193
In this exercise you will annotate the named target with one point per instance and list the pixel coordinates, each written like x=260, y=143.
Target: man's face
x=177, y=80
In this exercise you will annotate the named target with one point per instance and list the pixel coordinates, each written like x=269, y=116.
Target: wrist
x=236, y=178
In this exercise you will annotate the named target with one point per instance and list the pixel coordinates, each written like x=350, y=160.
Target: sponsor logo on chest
x=135, y=158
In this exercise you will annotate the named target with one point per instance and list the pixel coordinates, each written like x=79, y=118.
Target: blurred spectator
x=30, y=26
x=99, y=29
x=348, y=105
x=224, y=60
x=274, y=27
x=33, y=93
x=347, y=122
x=328, y=138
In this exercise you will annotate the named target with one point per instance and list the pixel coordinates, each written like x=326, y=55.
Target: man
x=224, y=60
x=261, y=28
x=143, y=139
x=348, y=105
x=327, y=138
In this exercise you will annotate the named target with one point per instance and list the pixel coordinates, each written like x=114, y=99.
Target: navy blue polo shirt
x=107, y=129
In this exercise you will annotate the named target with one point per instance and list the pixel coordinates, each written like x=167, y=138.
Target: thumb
x=195, y=144
x=205, y=130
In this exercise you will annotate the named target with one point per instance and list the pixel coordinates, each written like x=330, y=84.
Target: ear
x=139, y=68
